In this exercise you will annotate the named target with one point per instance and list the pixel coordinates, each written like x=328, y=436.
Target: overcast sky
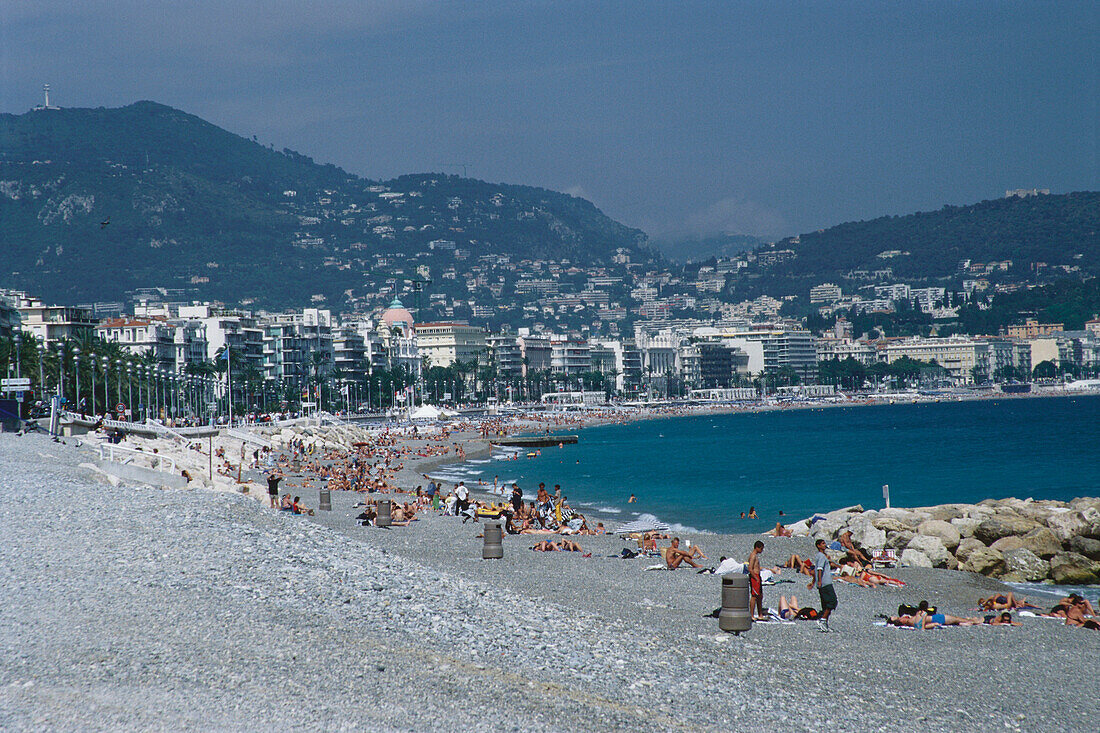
x=761, y=118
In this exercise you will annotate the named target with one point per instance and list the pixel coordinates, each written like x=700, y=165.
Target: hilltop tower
x=46, y=95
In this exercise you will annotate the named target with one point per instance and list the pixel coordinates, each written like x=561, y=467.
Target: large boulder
x=1084, y=546
x=967, y=546
x=1090, y=530
x=947, y=512
x=1026, y=565
x=1071, y=568
x=965, y=525
x=934, y=549
x=986, y=561
x=915, y=559
x=1005, y=544
x=947, y=532
x=899, y=540
x=1066, y=524
x=1003, y=525
x=827, y=528
x=891, y=524
x=1043, y=542
x=800, y=528
x=867, y=537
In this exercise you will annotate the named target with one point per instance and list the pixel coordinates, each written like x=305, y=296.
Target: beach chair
x=884, y=558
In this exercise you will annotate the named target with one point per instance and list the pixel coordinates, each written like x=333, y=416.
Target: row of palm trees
x=96, y=376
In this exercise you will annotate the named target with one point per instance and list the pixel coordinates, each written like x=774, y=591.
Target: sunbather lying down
x=789, y=610
x=924, y=621
x=1003, y=602
x=563, y=545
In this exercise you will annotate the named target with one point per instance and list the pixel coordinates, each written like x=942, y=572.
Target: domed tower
x=397, y=317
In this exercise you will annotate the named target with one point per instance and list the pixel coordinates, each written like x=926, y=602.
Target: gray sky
x=762, y=118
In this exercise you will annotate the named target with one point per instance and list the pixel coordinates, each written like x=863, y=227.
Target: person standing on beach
x=756, y=584
x=517, y=498
x=463, y=496
x=273, y=487
x=823, y=579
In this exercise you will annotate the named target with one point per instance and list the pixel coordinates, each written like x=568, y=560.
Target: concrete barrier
x=141, y=475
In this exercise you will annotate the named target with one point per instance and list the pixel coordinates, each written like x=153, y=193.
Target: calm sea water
x=702, y=472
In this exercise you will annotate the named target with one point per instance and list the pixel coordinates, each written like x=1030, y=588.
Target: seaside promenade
x=131, y=607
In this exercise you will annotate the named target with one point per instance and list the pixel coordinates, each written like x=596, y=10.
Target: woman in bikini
x=789, y=610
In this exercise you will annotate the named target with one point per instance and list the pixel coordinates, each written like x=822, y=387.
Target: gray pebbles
x=136, y=608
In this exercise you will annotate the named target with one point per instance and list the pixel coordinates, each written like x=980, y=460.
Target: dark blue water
x=702, y=472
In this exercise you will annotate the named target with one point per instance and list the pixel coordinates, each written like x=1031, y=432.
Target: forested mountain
x=1059, y=231
x=98, y=202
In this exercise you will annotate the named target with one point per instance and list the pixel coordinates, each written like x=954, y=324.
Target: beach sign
x=15, y=384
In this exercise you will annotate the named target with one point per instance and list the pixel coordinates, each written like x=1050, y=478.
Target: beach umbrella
x=645, y=523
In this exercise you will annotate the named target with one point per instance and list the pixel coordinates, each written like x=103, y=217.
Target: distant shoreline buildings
x=663, y=357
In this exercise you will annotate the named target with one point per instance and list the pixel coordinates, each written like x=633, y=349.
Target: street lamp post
x=118, y=371
x=76, y=368
x=61, y=370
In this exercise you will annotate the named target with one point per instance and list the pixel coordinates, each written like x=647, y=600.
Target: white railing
x=248, y=437
x=163, y=429
x=185, y=434
x=108, y=450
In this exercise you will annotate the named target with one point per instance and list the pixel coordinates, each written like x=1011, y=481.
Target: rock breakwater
x=1010, y=539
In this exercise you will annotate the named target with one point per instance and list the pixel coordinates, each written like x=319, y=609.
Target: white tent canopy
x=426, y=412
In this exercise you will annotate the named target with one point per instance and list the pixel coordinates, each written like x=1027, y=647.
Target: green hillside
x=1059, y=230
x=98, y=202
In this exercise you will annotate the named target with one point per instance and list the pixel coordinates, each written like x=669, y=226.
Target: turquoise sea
x=702, y=472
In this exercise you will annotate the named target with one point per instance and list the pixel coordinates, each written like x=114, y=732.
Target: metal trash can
x=385, y=514
x=735, y=616
x=494, y=542
x=324, y=503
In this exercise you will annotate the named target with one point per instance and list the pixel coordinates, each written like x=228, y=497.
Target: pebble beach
x=134, y=607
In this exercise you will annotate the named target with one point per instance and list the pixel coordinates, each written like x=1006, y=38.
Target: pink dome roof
x=396, y=315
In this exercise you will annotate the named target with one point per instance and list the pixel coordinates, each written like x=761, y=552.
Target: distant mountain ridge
x=1060, y=230
x=697, y=249
x=97, y=202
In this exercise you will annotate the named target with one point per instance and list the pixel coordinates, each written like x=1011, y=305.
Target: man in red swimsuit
x=756, y=586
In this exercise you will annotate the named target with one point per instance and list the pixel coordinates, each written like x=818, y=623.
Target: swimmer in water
x=632, y=499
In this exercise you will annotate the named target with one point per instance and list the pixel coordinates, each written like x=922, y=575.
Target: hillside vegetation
x=98, y=202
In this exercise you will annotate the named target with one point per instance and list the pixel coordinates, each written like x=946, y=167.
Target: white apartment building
x=959, y=356
x=239, y=330
x=825, y=293
x=51, y=323
x=569, y=356
x=139, y=336
x=442, y=344
x=843, y=348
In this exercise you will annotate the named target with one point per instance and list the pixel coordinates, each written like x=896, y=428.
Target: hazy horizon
x=685, y=120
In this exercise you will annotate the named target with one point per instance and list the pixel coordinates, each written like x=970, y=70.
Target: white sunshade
x=644, y=523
